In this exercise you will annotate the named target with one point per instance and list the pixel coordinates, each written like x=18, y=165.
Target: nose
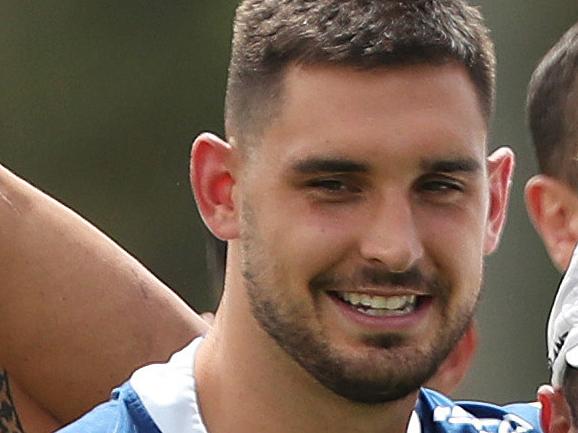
x=391, y=238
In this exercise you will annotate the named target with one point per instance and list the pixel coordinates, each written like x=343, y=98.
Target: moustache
x=413, y=278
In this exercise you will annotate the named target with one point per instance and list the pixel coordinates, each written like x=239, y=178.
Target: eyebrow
x=467, y=165
x=329, y=165
x=342, y=165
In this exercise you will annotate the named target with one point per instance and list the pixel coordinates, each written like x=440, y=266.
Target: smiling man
x=362, y=200
x=358, y=202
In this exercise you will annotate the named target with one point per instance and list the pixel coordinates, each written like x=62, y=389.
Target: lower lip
x=404, y=322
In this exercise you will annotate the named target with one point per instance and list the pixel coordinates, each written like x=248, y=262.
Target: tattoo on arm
x=9, y=422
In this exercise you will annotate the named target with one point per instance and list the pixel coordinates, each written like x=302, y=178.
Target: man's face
x=364, y=209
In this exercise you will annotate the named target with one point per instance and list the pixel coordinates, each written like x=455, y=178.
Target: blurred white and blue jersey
x=161, y=398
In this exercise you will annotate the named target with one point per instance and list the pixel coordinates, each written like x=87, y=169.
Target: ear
x=500, y=171
x=212, y=179
x=553, y=208
x=451, y=373
x=555, y=414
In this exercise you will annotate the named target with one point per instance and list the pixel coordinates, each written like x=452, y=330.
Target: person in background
x=552, y=203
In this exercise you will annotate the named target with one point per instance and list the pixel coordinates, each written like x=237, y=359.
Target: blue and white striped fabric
x=161, y=398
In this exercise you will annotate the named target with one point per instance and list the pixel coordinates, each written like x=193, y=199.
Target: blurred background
x=100, y=100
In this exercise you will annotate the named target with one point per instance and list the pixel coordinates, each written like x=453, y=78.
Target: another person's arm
x=77, y=313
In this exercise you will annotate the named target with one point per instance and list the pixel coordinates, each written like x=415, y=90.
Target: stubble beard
x=387, y=371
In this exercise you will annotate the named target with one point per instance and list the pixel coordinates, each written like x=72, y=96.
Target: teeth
x=379, y=305
x=395, y=303
x=354, y=298
x=366, y=300
x=383, y=313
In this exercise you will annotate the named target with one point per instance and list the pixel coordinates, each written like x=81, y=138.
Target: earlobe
x=555, y=414
x=212, y=176
x=552, y=207
x=545, y=398
x=500, y=171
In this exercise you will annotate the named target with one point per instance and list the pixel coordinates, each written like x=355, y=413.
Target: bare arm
x=77, y=313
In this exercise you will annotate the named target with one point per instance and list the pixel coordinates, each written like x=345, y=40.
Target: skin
x=555, y=416
x=455, y=367
x=421, y=195
x=553, y=208
x=41, y=396
x=65, y=289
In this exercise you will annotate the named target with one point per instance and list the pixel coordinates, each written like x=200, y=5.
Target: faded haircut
x=570, y=388
x=271, y=35
x=552, y=110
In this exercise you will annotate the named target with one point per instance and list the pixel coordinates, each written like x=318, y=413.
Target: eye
x=333, y=188
x=332, y=185
x=442, y=185
x=441, y=190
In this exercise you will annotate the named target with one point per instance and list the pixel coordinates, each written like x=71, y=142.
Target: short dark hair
x=552, y=110
x=570, y=388
x=270, y=35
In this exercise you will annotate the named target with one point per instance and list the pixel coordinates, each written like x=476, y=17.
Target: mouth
x=378, y=305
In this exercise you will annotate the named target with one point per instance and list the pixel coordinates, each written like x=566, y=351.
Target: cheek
x=454, y=242
x=309, y=241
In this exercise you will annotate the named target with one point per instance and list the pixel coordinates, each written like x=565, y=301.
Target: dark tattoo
x=9, y=422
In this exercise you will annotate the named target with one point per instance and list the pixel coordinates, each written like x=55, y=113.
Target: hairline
x=274, y=101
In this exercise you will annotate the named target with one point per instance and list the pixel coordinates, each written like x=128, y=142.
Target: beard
x=386, y=368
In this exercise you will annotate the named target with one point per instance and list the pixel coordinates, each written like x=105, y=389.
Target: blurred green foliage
x=100, y=102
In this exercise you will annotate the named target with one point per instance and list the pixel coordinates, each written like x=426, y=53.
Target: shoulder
x=440, y=414
x=123, y=413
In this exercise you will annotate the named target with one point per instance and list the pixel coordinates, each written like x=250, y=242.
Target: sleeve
x=123, y=413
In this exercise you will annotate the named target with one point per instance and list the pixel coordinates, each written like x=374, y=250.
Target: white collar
x=168, y=393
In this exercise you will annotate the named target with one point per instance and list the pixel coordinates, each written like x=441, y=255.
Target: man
x=552, y=204
x=357, y=202
x=75, y=313
x=76, y=262
x=552, y=108
x=46, y=389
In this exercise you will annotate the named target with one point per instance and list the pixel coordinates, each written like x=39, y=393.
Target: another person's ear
x=553, y=208
x=212, y=175
x=500, y=171
x=453, y=370
x=555, y=414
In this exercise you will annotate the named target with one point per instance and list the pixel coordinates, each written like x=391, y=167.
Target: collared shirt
x=162, y=398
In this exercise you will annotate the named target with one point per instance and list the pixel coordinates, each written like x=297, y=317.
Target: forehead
x=403, y=111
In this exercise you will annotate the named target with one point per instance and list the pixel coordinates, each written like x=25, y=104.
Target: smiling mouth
x=379, y=306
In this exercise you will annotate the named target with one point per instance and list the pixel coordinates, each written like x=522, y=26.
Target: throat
x=249, y=390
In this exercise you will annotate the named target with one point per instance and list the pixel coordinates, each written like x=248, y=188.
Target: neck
x=247, y=383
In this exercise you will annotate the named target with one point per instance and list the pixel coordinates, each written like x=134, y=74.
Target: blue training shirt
x=161, y=398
